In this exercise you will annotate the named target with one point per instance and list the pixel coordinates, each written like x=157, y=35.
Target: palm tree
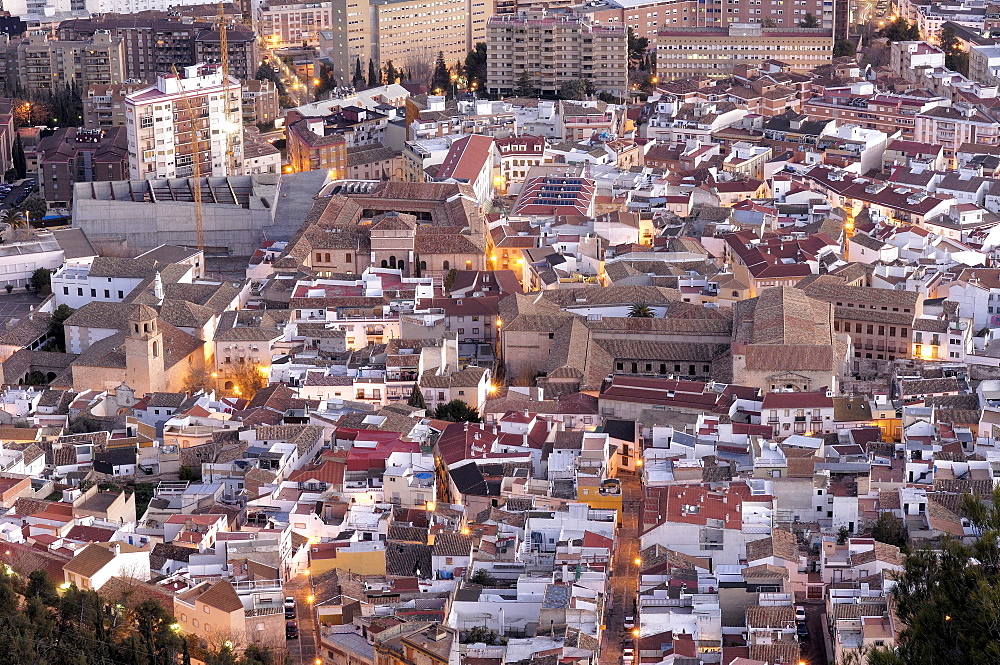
x=15, y=218
x=640, y=310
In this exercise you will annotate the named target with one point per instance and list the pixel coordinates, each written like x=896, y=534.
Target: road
x=10, y=200
x=625, y=573
x=302, y=650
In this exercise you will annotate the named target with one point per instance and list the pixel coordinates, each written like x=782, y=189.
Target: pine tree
x=441, y=80
x=20, y=161
x=359, y=77
x=417, y=398
x=373, y=74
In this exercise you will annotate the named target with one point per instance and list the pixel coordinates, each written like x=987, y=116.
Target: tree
x=449, y=279
x=640, y=310
x=247, y=379
x=15, y=218
x=41, y=586
x=483, y=577
x=525, y=86
x=57, y=328
x=809, y=21
x=901, y=30
x=482, y=635
x=577, y=89
x=891, y=530
x=475, y=67
x=637, y=46
x=41, y=280
x=843, y=533
x=34, y=208
x=948, y=600
x=441, y=78
x=374, y=78
x=359, y=78
x=20, y=161
x=159, y=640
x=391, y=75
x=416, y=400
x=955, y=58
x=844, y=48
x=457, y=411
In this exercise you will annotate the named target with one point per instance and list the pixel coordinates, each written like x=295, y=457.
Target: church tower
x=144, y=367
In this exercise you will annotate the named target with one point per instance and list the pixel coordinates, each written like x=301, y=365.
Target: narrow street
x=624, y=578
x=302, y=650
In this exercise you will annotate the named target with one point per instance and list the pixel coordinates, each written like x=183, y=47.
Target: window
x=121, y=294
x=79, y=292
x=65, y=290
x=107, y=293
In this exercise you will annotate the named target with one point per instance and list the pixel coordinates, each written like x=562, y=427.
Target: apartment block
x=73, y=155
x=260, y=102
x=165, y=138
x=104, y=105
x=44, y=63
x=349, y=38
x=153, y=44
x=715, y=52
x=411, y=33
x=310, y=149
x=554, y=49
x=287, y=23
x=647, y=17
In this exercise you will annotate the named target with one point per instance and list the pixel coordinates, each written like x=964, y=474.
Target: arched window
x=401, y=265
x=228, y=385
x=156, y=349
x=385, y=263
x=423, y=265
x=446, y=265
x=392, y=261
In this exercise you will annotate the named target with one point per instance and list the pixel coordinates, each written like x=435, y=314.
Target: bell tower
x=144, y=367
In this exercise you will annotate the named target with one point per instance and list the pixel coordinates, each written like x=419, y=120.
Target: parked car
x=629, y=622
x=291, y=631
x=802, y=631
x=800, y=614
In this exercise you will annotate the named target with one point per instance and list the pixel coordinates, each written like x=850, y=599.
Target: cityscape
x=500, y=332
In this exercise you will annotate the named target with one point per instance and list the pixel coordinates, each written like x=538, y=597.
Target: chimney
x=158, y=288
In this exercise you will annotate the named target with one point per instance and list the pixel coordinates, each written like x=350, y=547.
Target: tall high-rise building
x=165, y=139
x=553, y=49
x=409, y=33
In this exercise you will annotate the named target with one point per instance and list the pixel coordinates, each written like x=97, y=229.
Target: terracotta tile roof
x=222, y=596
x=782, y=544
x=91, y=559
x=770, y=617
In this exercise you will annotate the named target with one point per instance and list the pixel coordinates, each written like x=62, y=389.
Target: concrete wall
x=144, y=226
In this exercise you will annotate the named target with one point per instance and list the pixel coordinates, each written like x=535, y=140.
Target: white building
x=163, y=141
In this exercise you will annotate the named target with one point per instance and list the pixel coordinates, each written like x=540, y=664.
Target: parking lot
x=10, y=199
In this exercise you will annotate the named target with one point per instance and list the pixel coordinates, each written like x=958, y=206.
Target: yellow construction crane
x=199, y=220
x=231, y=125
